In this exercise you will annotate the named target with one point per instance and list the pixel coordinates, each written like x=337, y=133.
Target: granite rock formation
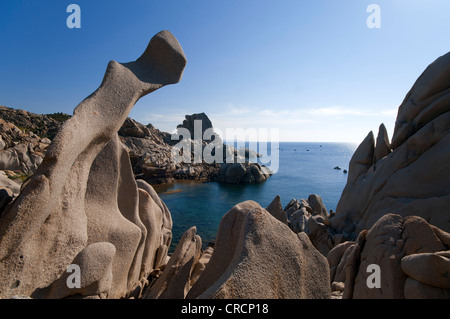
x=54, y=219
x=152, y=155
x=393, y=211
x=410, y=175
x=19, y=150
x=149, y=153
x=230, y=166
x=311, y=217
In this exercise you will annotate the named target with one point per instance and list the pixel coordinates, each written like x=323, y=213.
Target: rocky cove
x=88, y=201
x=25, y=137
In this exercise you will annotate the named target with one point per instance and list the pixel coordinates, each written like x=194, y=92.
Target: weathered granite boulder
x=409, y=253
x=111, y=208
x=430, y=269
x=337, y=259
x=416, y=290
x=201, y=265
x=175, y=281
x=276, y=209
x=53, y=219
x=243, y=173
x=382, y=147
x=224, y=248
x=311, y=217
x=258, y=256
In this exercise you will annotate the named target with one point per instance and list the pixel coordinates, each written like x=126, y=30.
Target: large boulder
x=258, y=256
x=311, y=217
x=276, y=209
x=430, y=269
x=226, y=241
x=243, y=173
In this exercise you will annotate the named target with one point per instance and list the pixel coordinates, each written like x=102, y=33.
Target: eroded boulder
x=260, y=257
x=175, y=281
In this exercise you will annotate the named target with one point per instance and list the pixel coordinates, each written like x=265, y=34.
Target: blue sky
x=312, y=69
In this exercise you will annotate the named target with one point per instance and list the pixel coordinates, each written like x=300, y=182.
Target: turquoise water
x=304, y=169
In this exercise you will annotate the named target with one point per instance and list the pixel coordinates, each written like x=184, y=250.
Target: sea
x=304, y=169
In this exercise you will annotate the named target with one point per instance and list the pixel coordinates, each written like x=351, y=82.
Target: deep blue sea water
x=304, y=169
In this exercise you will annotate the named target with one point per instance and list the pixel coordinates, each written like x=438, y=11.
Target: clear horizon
x=313, y=70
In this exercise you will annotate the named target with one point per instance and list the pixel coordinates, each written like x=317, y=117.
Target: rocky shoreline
x=84, y=208
x=151, y=153
x=25, y=137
